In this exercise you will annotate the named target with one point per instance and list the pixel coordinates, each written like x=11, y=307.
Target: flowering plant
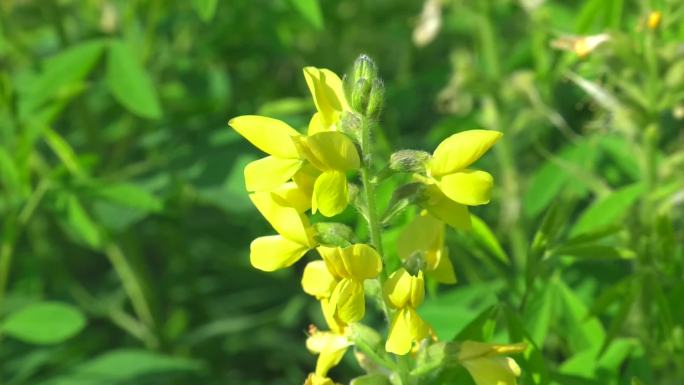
x=316, y=173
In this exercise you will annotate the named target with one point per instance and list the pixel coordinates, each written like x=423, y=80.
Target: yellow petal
x=305, y=178
x=327, y=92
x=469, y=187
x=443, y=271
x=493, y=370
x=334, y=322
x=330, y=150
x=349, y=300
x=440, y=206
x=475, y=349
x=417, y=292
x=316, y=124
x=275, y=252
x=271, y=136
x=460, y=150
x=402, y=289
x=317, y=280
x=330, y=193
x=315, y=379
x=361, y=261
x=406, y=327
x=420, y=235
x=291, y=195
x=333, y=260
x=287, y=221
x=270, y=172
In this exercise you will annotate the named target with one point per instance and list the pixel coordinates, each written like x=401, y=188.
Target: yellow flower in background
x=330, y=348
x=425, y=236
x=582, y=46
x=349, y=267
x=331, y=153
x=328, y=96
x=654, y=19
x=283, y=209
x=404, y=292
x=486, y=364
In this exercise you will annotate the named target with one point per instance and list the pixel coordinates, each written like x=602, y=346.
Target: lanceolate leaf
x=129, y=82
x=608, y=210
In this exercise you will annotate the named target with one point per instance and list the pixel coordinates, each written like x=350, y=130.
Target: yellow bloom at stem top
x=328, y=96
x=331, y=153
x=423, y=238
x=451, y=184
x=283, y=209
x=404, y=292
x=486, y=364
x=349, y=266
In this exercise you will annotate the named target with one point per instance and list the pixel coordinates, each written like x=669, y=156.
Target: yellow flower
x=405, y=292
x=330, y=348
x=654, y=19
x=331, y=153
x=328, y=96
x=348, y=267
x=486, y=365
x=283, y=209
x=320, y=283
x=425, y=235
x=451, y=185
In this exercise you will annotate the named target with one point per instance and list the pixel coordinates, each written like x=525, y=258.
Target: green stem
x=130, y=283
x=403, y=363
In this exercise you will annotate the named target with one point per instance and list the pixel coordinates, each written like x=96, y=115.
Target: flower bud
x=409, y=161
x=360, y=94
x=376, y=99
x=364, y=68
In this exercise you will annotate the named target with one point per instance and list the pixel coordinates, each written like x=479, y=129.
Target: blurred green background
x=126, y=227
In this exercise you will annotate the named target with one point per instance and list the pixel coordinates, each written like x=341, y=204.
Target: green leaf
x=205, y=9
x=594, y=251
x=608, y=210
x=80, y=223
x=548, y=181
x=63, y=150
x=582, y=332
x=129, y=195
x=9, y=174
x=451, y=311
x=485, y=236
x=129, y=83
x=371, y=379
x=310, y=10
x=61, y=72
x=44, y=323
x=124, y=366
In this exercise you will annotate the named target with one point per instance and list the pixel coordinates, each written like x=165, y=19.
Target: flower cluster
x=315, y=172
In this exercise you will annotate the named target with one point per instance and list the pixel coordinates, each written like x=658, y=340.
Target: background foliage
x=125, y=225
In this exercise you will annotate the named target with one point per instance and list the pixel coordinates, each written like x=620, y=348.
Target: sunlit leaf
x=129, y=83
x=44, y=323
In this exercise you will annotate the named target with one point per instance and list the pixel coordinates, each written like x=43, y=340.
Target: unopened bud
x=351, y=124
x=376, y=99
x=415, y=263
x=333, y=233
x=409, y=161
x=360, y=94
x=364, y=68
